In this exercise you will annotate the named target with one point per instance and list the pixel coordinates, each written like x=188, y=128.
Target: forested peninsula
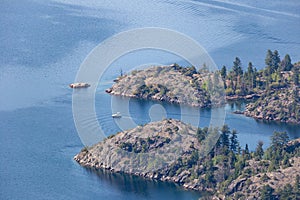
x=273, y=91
x=170, y=150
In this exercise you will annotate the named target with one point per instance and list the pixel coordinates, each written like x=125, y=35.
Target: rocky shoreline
x=244, y=97
x=164, y=142
x=168, y=150
x=172, y=84
x=162, y=98
x=84, y=160
x=186, y=86
x=278, y=105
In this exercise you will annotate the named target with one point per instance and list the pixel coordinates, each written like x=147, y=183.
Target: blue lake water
x=43, y=43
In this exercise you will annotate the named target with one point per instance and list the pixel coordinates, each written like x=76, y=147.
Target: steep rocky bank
x=169, y=150
x=282, y=183
x=149, y=151
x=278, y=105
x=250, y=187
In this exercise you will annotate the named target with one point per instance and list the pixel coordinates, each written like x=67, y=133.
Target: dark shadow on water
x=145, y=188
x=127, y=182
x=292, y=129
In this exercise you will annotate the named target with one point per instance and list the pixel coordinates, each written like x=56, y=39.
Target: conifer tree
x=224, y=138
x=259, y=152
x=223, y=72
x=286, y=63
x=234, y=144
x=275, y=61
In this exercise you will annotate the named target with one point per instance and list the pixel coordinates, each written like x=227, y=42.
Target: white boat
x=116, y=115
x=79, y=85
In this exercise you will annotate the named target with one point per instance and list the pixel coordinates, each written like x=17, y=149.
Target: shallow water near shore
x=42, y=46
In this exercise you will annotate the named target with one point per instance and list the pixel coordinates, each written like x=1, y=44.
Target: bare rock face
x=173, y=84
x=250, y=187
x=147, y=151
x=280, y=105
x=167, y=150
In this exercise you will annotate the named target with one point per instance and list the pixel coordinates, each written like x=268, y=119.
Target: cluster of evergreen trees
x=228, y=161
x=240, y=82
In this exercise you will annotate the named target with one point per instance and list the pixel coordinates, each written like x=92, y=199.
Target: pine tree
x=275, y=60
x=259, y=151
x=250, y=68
x=234, y=144
x=286, y=63
x=247, y=149
x=278, y=139
x=269, y=68
x=223, y=72
x=250, y=77
x=272, y=62
x=268, y=59
x=247, y=152
x=224, y=138
x=237, y=67
x=232, y=159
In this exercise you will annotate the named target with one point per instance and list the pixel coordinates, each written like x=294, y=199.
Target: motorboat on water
x=79, y=85
x=116, y=115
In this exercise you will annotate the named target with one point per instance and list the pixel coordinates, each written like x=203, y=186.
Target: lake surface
x=42, y=46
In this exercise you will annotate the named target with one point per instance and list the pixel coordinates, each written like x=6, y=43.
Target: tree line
x=228, y=160
x=278, y=73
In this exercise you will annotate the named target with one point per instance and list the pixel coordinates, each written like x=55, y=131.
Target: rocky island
x=170, y=150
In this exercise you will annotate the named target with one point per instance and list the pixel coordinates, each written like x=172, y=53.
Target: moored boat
x=79, y=85
x=116, y=115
